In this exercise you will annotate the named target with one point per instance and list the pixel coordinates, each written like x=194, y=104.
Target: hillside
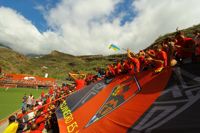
x=58, y=64
x=12, y=61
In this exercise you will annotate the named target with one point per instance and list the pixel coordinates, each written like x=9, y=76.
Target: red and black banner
x=146, y=102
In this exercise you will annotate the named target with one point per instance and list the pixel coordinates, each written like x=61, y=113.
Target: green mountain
x=56, y=64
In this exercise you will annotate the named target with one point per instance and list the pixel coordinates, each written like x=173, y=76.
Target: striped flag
x=114, y=47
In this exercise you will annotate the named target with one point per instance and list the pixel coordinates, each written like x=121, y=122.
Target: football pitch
x=11, y=99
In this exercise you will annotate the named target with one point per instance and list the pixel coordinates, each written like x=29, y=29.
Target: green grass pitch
x=11, y=99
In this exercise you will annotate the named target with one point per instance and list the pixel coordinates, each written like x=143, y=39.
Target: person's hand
x=128, y=53
x=159, y=70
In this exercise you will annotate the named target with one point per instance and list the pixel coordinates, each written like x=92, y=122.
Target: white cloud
x=82, y=27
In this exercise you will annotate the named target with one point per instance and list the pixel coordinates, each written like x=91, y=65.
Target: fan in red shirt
x=80, y=83
x=40, y=121
x=161, y=55
x=89, y=79
x=184, y=46
x=125, y=66
x=131, y=68
x=118, y=68
x=79, y=80
x=159, y=59
x=142, y=59
x=51, y=91
x=111, y=70
x=133, y=59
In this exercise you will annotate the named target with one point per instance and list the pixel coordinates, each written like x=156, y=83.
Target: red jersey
x=111, y=69
x=162, y=55
x=51, y=91
x=126, y=65
x=136, y=62
x=185, y=43
x=118, y=68
x=19, y=116
x=142, y=59
x=48, y=100
x=131, y=69
x=41, y=122
x=80, y=83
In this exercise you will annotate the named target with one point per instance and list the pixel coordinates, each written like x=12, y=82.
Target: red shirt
x=162, y=55
x=142, y=59
x=185, y=43
x=80, y=83
x=136, y=62
x=41, y=122
x=131, y=69
x=126, y=65
x=51, y=91
x=111, y=69
x=118, y=68
x=19, y=116
x=48, y=100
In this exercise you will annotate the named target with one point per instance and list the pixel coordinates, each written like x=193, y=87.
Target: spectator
x=125, y=66
x=118, y=68
x=134, y=60
x=13, y=125
x=24, y=100
x=21, y=125
x=33, y=102
x=155, y=62
x=185, y=46
x=40, y=121
x=161, y=55
x=29, y=101
x=31, y=115
x=79, y=80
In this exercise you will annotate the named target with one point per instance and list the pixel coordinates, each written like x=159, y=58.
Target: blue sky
x=28, y=8
x=124, y=7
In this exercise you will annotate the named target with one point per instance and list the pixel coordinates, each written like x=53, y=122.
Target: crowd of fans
x=172, y=51
x=39, y=115
x=23, y=80
x=7, y=81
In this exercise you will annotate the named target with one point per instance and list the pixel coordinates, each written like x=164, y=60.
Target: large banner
x=64, y=114
x=177, y=109
x=143, y=103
